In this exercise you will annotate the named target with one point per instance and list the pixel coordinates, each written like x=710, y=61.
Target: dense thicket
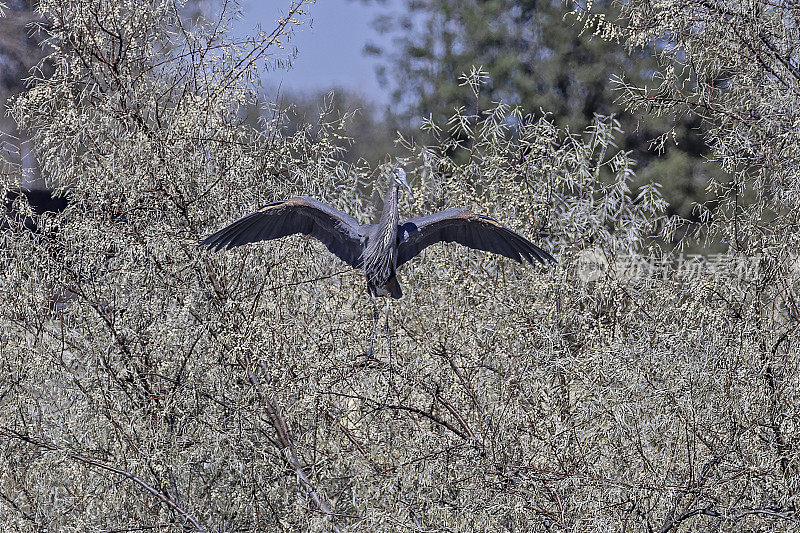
x=145, y=384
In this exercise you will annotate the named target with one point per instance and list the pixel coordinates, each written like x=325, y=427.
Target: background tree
x=745, y=92
x=537, y=55
x=369, y=136
x=19, y=52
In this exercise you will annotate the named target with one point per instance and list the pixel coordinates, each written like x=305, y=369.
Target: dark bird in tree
x=40, y=200
x=377, y=249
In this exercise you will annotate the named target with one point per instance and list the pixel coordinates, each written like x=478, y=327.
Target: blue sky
x=330, y=45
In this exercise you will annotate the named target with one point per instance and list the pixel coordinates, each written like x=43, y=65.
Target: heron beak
x=406, y=187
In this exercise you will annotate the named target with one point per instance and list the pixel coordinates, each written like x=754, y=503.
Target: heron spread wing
x=466, y=228
x=338, y=231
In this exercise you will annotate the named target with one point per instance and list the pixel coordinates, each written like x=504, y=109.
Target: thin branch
x=290, y=454
x=10, y=433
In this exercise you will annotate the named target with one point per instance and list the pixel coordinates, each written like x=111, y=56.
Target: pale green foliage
x=736, y=64
x=147, y=384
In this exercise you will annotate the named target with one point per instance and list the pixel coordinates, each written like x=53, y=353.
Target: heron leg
x=369, y=352
x=388, y=336
x=391, y=386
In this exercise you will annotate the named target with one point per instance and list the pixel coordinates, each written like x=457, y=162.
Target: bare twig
x=289, y=452
x=10, y=433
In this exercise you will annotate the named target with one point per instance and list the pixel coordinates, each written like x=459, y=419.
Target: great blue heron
x=378, y=249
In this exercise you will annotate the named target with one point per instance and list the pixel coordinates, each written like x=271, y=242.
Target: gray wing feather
x=466, y=228
x=338, y=231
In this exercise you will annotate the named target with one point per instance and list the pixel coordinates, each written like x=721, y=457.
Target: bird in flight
x=377, y=249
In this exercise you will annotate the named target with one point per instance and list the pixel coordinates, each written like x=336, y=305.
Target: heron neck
x=390, y=204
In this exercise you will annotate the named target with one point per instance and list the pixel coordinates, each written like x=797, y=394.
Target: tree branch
x=10, y=433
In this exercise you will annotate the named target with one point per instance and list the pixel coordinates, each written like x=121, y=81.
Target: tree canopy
x=149, y=385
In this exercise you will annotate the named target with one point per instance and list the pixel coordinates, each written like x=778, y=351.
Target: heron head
x=399, y=176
